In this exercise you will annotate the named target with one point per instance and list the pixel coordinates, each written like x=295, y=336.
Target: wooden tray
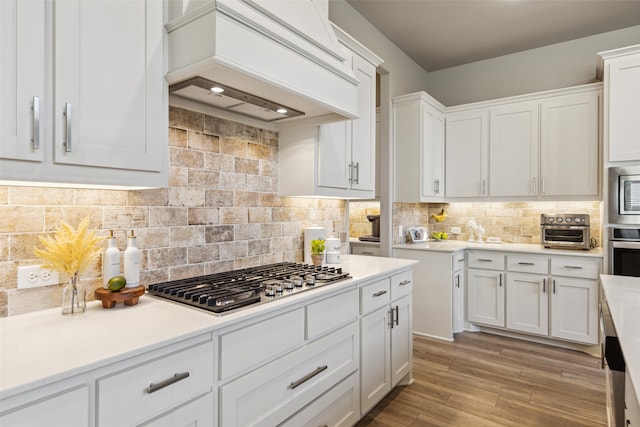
x=130, y=296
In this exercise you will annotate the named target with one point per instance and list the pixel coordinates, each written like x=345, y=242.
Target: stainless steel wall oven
x=624, y=251
x=624, y=195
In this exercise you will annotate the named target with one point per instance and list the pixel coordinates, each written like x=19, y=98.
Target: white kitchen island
x=161, y=361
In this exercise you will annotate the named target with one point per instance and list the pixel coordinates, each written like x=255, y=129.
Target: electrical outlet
x=33, y=276
x=455, y=230
x=400, y=231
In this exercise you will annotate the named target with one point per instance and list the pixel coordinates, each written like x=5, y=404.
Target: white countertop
x=459, y=245
x=77, y=344
x=623, y=297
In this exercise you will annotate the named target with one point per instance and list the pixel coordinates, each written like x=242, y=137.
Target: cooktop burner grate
x=223, y=292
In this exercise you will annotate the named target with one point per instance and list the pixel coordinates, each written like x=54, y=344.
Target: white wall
x=560, y=65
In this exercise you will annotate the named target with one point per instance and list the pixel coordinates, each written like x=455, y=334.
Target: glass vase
x=74, y=297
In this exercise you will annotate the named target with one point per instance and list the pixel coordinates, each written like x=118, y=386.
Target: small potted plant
x=317, y=251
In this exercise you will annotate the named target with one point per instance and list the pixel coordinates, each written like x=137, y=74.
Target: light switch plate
x=33, y=276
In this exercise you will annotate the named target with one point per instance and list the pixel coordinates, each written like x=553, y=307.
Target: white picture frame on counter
x=417, y=234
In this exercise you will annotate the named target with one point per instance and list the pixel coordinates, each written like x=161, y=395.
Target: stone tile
x=245, y=198
x=16, y=219
x=178, y=137
x=204, y=216
x=219, y=162
x=166, y=216
x=233, y=146
x=219, y=198
x=268, y=168
x=4, y=309
x=247, y=262
x=246, y=231
x=219, y=233
x=72, y=215
x=125, y=217
x=180, y=157
x=155, y=237
x=186, y=119
x=259, y=215
x=22, y=246
x=190, y=197
x=29, y=300
x=228, y=128
x=4, y=247
x=167, y=257
x=270, y=200
x=186, y=271
x=8, y=275
x=4, y=195
x=150, y=197
x=204, y=253
x=262, y=152
x=270, y=229
x=281, y=215
x=204, y=142
x=273, y=258
x=41, y=196
x=233, y=250
x=204, y=179
x=187, y=236
x=86, y=197
x=218, y=267
x=281, y=244
x=292, y=229
x=233, y=181
x=260, y=183
x=247, y=166
x=154, y=276
x=178, y=177
x=259, y=247
x=234, y=215
x=268, y=137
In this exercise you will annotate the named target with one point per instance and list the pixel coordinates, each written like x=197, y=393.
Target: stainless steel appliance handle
x=307, y=377
x=162, y=384
x=36, y=123
x=67, y=113
x=379, y=293
x=624, y=245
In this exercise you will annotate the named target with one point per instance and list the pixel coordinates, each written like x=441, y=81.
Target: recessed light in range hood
x=232, y=99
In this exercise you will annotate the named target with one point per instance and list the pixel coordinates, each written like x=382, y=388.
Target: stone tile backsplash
x=221, y=211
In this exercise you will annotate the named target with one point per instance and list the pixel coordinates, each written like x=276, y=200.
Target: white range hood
x=266, y=54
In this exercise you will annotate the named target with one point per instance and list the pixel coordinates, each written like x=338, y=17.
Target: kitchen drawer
x=256, y=344
x=126, y=398
x=338, y=407
x=537, y=264
x=274, y=392
x=69, y=408
x=486, y=260
x=588, y=268
x=458, y=261
x=375, y=295
x=365, y=250
x=330, y=313
x=200, y=413
x=401, y=284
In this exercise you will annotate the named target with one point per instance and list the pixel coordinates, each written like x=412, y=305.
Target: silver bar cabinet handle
x=67, y=113
x=500, y=279
x=534, y=187
x=36, y=123
x=554, y=286
x=351, y=172
x=525, y=263
x=307, y=377
x=379, y=293
x=397, y=310
x=174, y=379
x=576, y=267
x=544, y=286
x=357, y=173
x=404, y=282
x=544, y=187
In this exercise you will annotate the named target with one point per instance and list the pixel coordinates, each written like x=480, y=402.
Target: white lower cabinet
x=527, y=303
x=485, y=288
x=69, y=408
x=459, y=287
x=385, y=337
x=631, y=405
x=197, y=413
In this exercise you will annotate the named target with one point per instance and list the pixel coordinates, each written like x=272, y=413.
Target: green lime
x=116, y=283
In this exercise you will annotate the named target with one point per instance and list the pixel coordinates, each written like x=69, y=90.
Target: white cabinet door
x=624, y=103
x=109, y=84
x=23, y=84
x=334, y=156
x=199, y=412
x=375, y=358
x=574, y=309
x=432, y=152
x=513, y=150
x=527, y=303
x=569, y=146
x=363, y=139
x=466, y=154
x=69, y=409
x=485, y=297
x=401, y=339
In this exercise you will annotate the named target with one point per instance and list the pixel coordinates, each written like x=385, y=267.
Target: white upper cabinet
x=569, y=146
x=100, y=89
x=466, y=153
x=334, y=158
x=418, y=140
x=513, y=150
x=622, y=103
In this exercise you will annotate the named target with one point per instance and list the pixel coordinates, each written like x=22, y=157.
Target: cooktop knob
x=568, y=220
x=579, y=220
x=559, y=220
x=270, y=292
x=550, y=220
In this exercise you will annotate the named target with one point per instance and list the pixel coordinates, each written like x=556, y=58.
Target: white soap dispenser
x=110, y=261
x=132, y=262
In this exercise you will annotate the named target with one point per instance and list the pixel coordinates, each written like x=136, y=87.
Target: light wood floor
x=487, y=380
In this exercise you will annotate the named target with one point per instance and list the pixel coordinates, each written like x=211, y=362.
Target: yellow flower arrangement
x=70, y=251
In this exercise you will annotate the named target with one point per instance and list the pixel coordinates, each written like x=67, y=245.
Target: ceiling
x=439, y=34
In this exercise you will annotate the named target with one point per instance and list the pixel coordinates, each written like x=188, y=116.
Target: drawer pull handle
x=485, y=260
x=174, y=379
x=525, y=263
x=367, y=253
x=544, y=286
x=554, y=286
x=404, y=282
x=461, y=260
x=577, y=267
x=379, y=293
x=307, y=377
